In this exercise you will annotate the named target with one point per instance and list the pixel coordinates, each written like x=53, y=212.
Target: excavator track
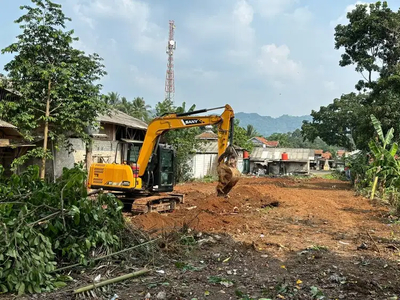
x=159, y=203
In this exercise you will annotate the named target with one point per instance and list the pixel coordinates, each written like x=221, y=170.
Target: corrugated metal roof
x=4, y=124
x=120, y=118
x=211, y=147
x=9, y=129
x=262, y=154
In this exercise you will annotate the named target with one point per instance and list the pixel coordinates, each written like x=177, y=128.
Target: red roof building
x=207, y=135
x=260, y=141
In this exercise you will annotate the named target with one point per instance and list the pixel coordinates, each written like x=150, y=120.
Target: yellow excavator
x=145, y=179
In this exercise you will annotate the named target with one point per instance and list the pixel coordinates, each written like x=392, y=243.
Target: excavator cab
x=160, y=172
x=160, y=177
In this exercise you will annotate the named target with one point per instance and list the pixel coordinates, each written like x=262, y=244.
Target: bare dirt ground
x=274, y=238
x=290, y=239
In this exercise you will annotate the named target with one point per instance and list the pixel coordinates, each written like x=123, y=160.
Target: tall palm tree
x=250, y=131
x=140, y=110
x=125, y=106
x=112, y=99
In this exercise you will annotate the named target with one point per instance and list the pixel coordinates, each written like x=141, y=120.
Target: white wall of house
x=102, y=151
x=204, y=164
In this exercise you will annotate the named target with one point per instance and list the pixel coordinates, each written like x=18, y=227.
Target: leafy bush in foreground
x=43, y=224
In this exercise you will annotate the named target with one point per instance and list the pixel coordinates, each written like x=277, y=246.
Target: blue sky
x=270, y=57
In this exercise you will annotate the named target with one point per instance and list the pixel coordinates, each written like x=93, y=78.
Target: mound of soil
x=154, y=222
x=287, y=213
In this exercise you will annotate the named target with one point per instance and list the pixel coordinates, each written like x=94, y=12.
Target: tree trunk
x=89, y=154
x=46, y=132
x=374, y=187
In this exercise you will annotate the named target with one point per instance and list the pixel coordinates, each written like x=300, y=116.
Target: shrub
x=45, y=223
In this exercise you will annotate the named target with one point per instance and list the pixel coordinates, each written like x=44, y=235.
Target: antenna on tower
x=170, y=78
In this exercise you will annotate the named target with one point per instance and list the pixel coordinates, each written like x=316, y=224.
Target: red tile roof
x=327, y=155
x=261, y=139
x=318, y=152
x=340, y=153
x=272, y=143
x=266, y=142
x=207, y=135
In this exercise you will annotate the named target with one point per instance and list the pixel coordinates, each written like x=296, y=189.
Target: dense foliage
x=371, y=43
x=242, y=135
x=136, y=108
x=184, y=141
x=56, y=82
x=377, y=172
x=44, y=224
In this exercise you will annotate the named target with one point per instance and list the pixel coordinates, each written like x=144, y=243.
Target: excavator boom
x=179, y=121
x=140, y=182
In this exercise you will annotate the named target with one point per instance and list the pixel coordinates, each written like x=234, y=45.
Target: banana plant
x=384, y=164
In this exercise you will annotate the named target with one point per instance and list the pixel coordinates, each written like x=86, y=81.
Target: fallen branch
x=106, y=256
x=376, y=245
x=111, y=281
x=45, y=218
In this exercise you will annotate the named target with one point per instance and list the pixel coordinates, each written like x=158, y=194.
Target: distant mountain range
x=266, y=125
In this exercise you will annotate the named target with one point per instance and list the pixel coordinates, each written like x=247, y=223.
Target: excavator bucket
x=228, y=174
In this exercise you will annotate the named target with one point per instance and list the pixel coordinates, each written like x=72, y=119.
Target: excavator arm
x=137, y=180
x=175, y=121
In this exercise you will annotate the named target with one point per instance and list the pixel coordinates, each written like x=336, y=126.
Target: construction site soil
x=288, y=238
x=289, y=214
x=274, y=238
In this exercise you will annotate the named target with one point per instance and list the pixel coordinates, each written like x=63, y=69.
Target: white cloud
x=243, y=12
x=232, y=23
x=243, y=34
x=274, y=62
x=146, y=36
x=301, y=15
x=343, y=18
x=129, y=10
x=77, y=8
x=272, y=8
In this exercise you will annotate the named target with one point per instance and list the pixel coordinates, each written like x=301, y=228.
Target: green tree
x=370, y=43
x=182, y=140
x=136, y=108
x=59, y=94
x=384, y=164
x=140, y=110
x=343, y=123
x=283, y=139
x=251, y=131
x=240, y=137
x=367, y=41
x=112, y=98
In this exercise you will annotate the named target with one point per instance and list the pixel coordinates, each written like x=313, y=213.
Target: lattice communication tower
x=170, y=77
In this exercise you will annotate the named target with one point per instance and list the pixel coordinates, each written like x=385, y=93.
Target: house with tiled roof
x=207, y=135
x=318, y=152
x=259, y=141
